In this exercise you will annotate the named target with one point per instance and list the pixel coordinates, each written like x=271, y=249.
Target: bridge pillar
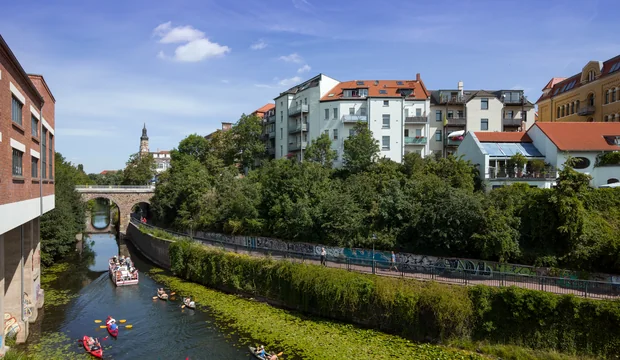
x=2, y=294
x=14, y=243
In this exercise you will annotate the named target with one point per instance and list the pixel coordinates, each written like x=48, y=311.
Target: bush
x=416, y=310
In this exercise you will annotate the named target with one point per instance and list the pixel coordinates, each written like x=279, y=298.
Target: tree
x=360, y=149
x=246, y=137
x=140, y=170
x=59, y=226
x=203, y=151
x=108, y=178
x=320, y=151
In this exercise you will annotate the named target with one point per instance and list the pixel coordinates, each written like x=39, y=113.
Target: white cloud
x=196, y=48
x=259, y=45
x=291, y=81
x=304, y=69
x=294, y=58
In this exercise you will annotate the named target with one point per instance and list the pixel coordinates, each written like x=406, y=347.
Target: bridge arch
x=125, y=197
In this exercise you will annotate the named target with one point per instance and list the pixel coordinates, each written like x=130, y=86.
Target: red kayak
x=95, y=350
x=113, y=332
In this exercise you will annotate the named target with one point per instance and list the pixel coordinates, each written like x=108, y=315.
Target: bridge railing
x=437, y=272
x=128, y=187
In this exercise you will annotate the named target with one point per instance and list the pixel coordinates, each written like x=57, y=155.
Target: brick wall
x=49, y=111
x=14, y=189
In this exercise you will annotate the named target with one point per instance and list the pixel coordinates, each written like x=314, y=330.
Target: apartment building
x=267, y=113
x=27, y=146
x=593, y=95
x=454, y=112
x=545, y=146
x=395, y=110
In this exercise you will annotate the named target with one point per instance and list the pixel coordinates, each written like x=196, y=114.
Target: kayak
x=114, y=332
x=187, y=305
x=253, y=351
x=163, y=296
x=94, y=351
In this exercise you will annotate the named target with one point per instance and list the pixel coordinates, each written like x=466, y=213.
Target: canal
x=161, y=330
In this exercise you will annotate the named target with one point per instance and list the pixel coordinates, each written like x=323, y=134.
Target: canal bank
x=81, y=292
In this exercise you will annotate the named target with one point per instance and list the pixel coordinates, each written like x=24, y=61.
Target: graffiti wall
x=11, y=327
x=406, y=261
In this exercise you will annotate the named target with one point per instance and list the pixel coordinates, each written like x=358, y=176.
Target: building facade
x=267, y=115
x=546, y=147
x=27, y=145
x=160, y=157
x=593, y=95
x=454, y=112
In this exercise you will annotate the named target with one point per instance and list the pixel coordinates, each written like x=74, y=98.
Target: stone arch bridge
x=124, y=196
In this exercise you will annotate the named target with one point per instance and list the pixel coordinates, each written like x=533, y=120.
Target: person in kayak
x=160, y=291
x=111, y=321
x=261, y=352
x=188, y=302
x=93, y=344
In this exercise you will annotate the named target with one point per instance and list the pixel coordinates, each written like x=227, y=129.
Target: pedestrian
x=323, y=256
x=393, y=262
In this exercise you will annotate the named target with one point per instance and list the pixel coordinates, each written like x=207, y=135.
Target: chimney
x=226, y=126
x=417, y=77
x=460, y=87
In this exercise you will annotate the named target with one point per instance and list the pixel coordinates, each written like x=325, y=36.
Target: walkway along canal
x=161, y=330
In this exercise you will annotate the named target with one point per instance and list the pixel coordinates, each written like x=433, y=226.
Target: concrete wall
x=154, y=249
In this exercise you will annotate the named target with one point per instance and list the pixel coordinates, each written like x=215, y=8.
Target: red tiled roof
x=580, y=136
x=105, y=172
x=512, y=137
x=577, y=77
x=261, y=111
x=374, y=87
x=553, y=81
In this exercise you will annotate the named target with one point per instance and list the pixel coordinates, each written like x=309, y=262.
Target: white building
x=457, y=111
x=396, y=112
x=550, y=142
x=162, y=160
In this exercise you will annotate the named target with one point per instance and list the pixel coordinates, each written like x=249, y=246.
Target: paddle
x=121, y=321
x=126, y=326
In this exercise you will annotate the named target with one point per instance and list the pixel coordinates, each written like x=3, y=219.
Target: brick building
x=26, y=187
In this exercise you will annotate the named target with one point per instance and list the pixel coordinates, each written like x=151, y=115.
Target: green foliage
x=246, y=139
x=109, y=178
x=608, y=158
x=59, y=226
x=139, y=170
x=360, y=149
x=519, y=160
x=413, y=309
x=320, y=151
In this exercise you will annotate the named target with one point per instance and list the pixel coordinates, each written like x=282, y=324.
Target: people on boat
x=189, y=303
x=93, y=344
x=128, y=262
x=113, y=327
x=261, y=351
x=161, y=291
x=110, y=321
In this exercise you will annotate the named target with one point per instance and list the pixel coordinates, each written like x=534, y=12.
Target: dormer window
x=359, y=83
x=591, y=75
x=356, y=93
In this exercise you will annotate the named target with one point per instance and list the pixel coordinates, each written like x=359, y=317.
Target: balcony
x=296, y=146
x=549, y=173
x=264, y=136
x=457, y=121
x=296, y=110
x=269, y=119
x=451, y=98
x=586, y=110
x=271, y=151
x=512, y=121
x=354, y=118
x=416, y=119
x=453, y=142
x=418, y=140
x=272, y=134
x=298, y=128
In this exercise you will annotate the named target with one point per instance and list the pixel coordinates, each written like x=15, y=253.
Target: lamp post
x=403, y=93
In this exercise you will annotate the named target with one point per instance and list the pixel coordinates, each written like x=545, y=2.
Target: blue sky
x=185, y=66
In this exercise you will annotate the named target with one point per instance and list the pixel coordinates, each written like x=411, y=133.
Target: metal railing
x=549, y=173
x=451, y=98
x=294, y=110
x=453, y=142
x=416, y=119
x=512, y=121
x=128, y=187
x=586, y=110
x=417, y=140
x=457, y=121
x=298, y=128
x=297, y=146
x=446, y=271
x=354, y=118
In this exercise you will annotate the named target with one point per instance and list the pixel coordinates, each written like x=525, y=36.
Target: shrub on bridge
x=414, y=309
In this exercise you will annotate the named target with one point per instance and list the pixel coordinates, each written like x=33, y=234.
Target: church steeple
x=144, y=142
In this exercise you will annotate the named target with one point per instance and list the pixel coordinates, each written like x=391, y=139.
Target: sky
x=185, y=66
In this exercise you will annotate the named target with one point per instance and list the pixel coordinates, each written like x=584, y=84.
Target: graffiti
x=514, y=269
x=11, y=327
x=27, y=306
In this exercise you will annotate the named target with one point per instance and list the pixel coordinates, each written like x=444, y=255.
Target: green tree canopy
x=320, y=151
x=360, y=149
x=140, y=170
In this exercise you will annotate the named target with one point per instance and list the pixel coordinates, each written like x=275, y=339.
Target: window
x=386, y=121
x=406, y=113
x=406, y=132
x=35, y=168
x=613, y=95
x=606, y=118
x=509, y=114
x=581, y=163
x=386, y=102
x=591, y=75
x=17, y=162
x=335, y=113
x=281, y=116
x=572, y=107
x=352, y=111
x=384, y=92
x=577, y=105
x=450, y=114
x=558, y=112
x=335, y=134
x=418, y=112
x=385, y=143
x=359, y=83
x=44, y=154
x=484, y=104
x=438, y=115
x=418, y=132
x=305, y=101
x=326, y=114
x=326, y=132
x=591, y=100
x=484, y=124
x=50, y=160
x=438, y=135
x=607, y=97
x=281, y=151
x=16, y=110
x=399, y=83
x=34, y=124
x=461, y=114
x=363, y=111
x=562, y=110
x=351, y=132
x=281, y=132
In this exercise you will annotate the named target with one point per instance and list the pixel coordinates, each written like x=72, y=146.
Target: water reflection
x=100, y=213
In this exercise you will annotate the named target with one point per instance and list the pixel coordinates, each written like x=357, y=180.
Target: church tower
x=144, y=142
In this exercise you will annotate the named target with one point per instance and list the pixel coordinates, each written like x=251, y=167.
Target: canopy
x=509, y=149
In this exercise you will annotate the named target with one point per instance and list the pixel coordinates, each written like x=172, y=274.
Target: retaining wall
x=154, y=249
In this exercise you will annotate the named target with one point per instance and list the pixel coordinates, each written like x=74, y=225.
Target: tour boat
x=121, y=275
x=96, y=352
x=113, y=332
